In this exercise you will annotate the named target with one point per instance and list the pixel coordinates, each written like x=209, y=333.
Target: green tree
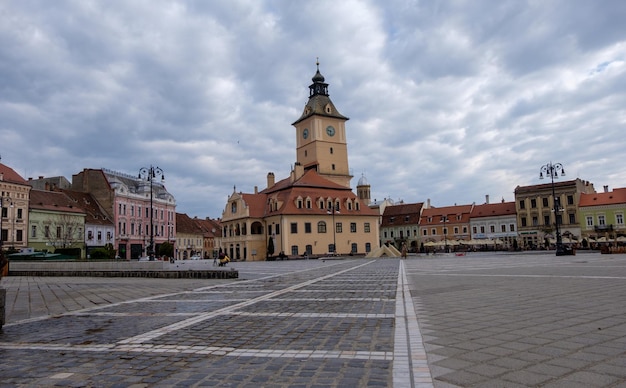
x=166, y=249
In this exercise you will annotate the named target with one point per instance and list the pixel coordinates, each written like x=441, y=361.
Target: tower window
x=331, y=150
x=333, y=166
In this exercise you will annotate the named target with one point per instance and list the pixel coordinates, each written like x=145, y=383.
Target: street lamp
x=553, y=170
x=444, y=219
x=2, y=199
x=334, y=210
x=148, y=174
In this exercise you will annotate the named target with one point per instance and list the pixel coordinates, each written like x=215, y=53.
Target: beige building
x=536, y=219
x=314, y=211
x=14, y=198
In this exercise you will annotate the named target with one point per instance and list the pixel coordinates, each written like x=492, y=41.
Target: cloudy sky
x=448, y=100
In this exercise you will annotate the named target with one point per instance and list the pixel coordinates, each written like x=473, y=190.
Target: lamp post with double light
x=444, y=219
x=149, y=174
x=3, y=199
x=333, y=210
x=553, y=170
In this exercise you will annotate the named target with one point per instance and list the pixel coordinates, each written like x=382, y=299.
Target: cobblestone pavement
x=483, y=320
x=523, y=320
x=295, y=323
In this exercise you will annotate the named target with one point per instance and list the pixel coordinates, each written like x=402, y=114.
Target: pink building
x=141, y=209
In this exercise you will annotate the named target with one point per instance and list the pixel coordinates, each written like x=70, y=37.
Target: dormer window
x=328, y=109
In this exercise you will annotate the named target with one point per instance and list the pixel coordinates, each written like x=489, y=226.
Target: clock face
x=305, y=133
x=330, y=130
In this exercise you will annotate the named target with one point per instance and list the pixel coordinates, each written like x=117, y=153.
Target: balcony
x=603, y=228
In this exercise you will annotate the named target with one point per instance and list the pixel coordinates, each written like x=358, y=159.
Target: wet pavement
x=496, y=320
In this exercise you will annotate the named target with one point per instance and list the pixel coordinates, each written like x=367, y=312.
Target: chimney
x=606, y=188
x=299, y=170
x=270, y=179
x=256, y=189
x=428, y=203
x=487, y=199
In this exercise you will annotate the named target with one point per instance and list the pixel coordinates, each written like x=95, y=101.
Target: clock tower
x=321, y=135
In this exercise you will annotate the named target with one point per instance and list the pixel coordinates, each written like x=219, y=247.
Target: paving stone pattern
x=482, y=320
x=319, y=323
x=522, y=320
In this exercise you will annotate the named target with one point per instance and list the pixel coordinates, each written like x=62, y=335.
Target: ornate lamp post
x=553, y=170
x=2, y=199
x=333, y=211
x=444, y=219
x=2, y=262
x=148, y=174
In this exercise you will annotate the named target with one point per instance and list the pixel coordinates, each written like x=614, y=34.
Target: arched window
x=257, y=228
x=321, y=227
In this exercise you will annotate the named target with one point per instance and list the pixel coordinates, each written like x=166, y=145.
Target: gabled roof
x=185, y=224
x=454, y=214
x=314, y=187
x=310, y=186
x=93, y=211
x=53, y=201
x=310, y=179
x=615, y=197
x=494, y=210
x=209, y=227
x=256, y=204
x=403, y=214
x=7, y=174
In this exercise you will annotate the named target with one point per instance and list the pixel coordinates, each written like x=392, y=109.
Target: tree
x=166, y=249
x=270, y=247
x=64, y=231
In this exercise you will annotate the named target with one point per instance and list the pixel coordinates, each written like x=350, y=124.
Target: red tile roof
x=494, y=209
x=53, y=201
x=7, y=174
x=617, y=196
x=185, y=224
x=311, y=185
x=94, y=214
x=210, y=228
x=402, y=214
x=452, y=213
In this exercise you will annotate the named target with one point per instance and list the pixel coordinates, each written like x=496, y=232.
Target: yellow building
x=14, y=199
x=313, y=212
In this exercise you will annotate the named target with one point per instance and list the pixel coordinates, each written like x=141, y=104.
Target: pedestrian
x=404, y=250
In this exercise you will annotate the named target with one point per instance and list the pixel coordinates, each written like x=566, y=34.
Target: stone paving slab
x=523, y=320
x=484, y=320
x=267, y=328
